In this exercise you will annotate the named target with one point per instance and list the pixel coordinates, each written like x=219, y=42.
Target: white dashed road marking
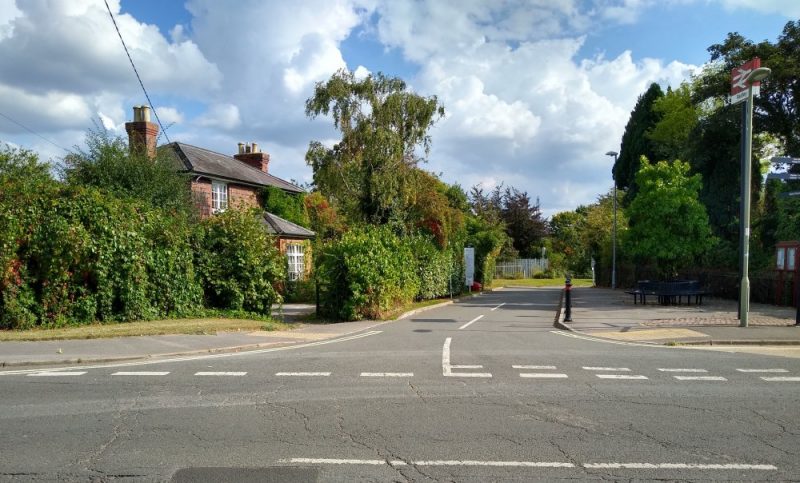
x=700, y=378
x=535, y=464
x=220, y=373
x=781, y=379
x=471, y=322
x=543, y=375
x=48, y=374
x=535, y=368
x=763, y=370
x=492, y=310
x=140, y=373
x=387, y=374
x=681, y=370
x=466, y=366
x=304, y=374
x=620, y=376
x=607, y=369
x=679, y=466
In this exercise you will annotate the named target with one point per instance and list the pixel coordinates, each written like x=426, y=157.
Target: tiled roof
x=202, y=161
x=278, y=226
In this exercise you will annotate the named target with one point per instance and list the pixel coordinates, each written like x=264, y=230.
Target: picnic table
x=668, y=293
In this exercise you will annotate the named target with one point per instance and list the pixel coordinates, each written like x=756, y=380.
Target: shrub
x=433, y=267
x=238, y=262
x=365, y=274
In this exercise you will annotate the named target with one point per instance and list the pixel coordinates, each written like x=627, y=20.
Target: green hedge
x=370, y=271
x=239, y=262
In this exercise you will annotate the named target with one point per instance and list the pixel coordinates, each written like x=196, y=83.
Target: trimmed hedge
x=371, y=270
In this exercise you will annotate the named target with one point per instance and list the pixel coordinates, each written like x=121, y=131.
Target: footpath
x=612, y=314
x=14, y=355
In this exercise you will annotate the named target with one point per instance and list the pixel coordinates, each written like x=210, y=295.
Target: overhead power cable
x=34, y=132
x=149, y=102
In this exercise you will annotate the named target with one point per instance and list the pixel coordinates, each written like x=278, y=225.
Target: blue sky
x=535, y=90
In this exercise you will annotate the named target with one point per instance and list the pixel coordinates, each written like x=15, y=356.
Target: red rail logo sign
x=738, y=78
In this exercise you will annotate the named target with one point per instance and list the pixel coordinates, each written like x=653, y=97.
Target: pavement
x=612, y=314
x=598, y=312
x=16, y=354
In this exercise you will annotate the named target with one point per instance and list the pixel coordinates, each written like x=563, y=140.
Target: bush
x=238, y=263
x=434, y=267
x=365, y=274
x=300, y=291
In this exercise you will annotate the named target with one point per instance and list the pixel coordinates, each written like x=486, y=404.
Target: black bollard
x=568, y=300
x=797, y=301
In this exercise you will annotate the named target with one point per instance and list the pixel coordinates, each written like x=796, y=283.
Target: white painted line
x=336, y=461
x=387, y=374
x=141, y=373
x=471, y=322
x=607, y=369
x=543, y=375
x=48, y=374
x=681, y=370
x=619, y=376
x=203, y=357
x=304, y=374
x=541, y=368
x=220, y=373
x=679, y=466
x=762, y=370
x=781, y=379
x=447, y=368
x=466, y=366
x=518, y=464
x=492, y=310
x=700, y=378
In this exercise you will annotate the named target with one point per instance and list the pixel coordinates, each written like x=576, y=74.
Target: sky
x=535, y=91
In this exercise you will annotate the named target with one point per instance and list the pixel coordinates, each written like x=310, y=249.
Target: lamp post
x=614, y=232
x=744, y=295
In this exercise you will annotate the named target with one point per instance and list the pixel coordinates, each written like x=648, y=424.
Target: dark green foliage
x=238, y=262
x=668, y=224
x=524, y=222
x=365, y=274
x=108, y=164
x=288, y=206
x=568, y=237
x=435, y=268
x=369, y=175
x=635, y=143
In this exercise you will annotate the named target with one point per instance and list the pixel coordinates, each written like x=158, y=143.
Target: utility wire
x=34, y=132
x=163, y=131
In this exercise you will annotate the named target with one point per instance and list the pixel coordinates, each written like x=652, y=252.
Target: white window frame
x=295, y=258
x=219, y=196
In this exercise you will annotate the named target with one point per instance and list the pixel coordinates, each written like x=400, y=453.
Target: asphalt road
x=481, y=390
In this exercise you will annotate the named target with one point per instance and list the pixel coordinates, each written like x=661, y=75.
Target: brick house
x=219, y=182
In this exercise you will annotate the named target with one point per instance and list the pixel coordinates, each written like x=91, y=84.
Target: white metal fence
x=520, y=268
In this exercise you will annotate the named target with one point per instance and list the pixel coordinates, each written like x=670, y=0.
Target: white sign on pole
x=469, y=265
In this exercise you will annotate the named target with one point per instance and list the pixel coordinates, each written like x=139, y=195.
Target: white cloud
x=223, y=116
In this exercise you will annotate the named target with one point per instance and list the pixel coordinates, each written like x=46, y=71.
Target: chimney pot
x=241, y=148
x=145, y=113
x=255, y=148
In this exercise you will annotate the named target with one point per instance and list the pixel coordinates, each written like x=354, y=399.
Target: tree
x=568, y=236
x=678, y=117
x=524, y=222
x=668, y=224
x=288, y=206
x=107, y=163
x=634, y=141
x=369, y=175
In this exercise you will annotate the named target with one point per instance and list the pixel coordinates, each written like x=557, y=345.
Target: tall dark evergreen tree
x=524, y=222
x=635, y=143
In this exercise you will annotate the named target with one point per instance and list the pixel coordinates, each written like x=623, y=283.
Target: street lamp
x=744, y=296
x=614, y=233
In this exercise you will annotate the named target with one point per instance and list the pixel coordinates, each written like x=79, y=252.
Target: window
x=294, y=254
x=219, y=196
x=791, y=254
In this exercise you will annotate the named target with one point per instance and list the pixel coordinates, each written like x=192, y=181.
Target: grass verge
x=540, y=282
x=203, y=326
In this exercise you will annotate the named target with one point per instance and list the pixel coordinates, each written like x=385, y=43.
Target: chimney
x=252, y=155
x=142, y=134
